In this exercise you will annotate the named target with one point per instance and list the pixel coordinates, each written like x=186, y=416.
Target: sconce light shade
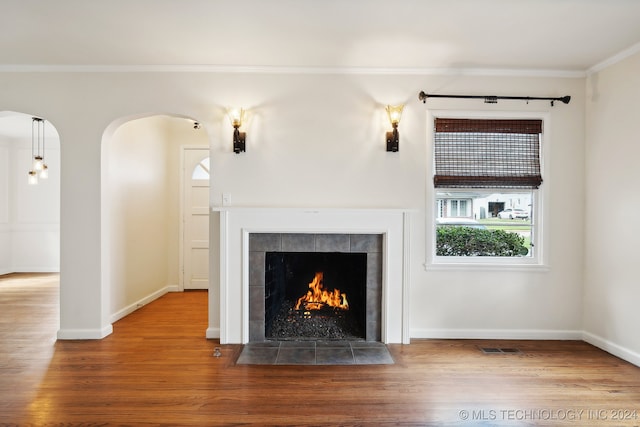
x=395, y=113
x=236, y=116
x=393, y=138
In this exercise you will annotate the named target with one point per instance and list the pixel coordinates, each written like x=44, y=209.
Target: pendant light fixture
x=39, y=168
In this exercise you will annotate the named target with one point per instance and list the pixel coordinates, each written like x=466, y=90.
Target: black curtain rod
x=494, y=99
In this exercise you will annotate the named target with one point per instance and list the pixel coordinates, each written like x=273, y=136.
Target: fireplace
x=247, y=234
x=310, y=295
x=295, y=278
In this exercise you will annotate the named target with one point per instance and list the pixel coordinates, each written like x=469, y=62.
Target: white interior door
x=196, y=218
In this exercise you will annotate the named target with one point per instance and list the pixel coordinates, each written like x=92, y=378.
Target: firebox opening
x=312, y=280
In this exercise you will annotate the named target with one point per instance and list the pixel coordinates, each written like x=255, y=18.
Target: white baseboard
x=613, y=348
x=213, y=333
x=23, y=269
x=141, y=303
x=81, y=334
x=490, y=334
x=37, y=269
x=530, y=334
x=84, y=334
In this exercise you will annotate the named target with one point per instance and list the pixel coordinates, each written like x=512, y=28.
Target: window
x=487, y=178
x=201, y=171
x=448, y=207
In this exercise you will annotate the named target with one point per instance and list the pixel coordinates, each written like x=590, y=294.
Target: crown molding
x=620, y=56
x=258, y=69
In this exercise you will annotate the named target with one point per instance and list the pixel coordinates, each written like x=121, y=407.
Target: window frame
x=539, y=260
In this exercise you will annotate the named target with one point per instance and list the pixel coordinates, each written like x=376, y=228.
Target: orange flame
x=317, y=297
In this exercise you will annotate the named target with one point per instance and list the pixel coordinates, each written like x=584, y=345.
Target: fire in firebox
x=317, y=297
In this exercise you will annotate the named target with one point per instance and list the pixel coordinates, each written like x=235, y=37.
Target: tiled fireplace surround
x=261, y=243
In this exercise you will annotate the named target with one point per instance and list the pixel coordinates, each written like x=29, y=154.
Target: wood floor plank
x=158, y=369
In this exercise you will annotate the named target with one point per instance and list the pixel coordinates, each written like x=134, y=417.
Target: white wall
x=135, y=160
x=318, y=140
x=29, y=214
x=611, y=296
x=5, y=230
x=326, y=149
x=142, y=188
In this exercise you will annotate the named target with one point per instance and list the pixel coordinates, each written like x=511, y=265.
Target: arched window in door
x=201, y=171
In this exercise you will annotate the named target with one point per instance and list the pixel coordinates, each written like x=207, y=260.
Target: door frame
x=184, y=148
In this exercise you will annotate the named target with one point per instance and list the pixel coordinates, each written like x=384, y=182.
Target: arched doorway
x=29, y=213
x=141, y=190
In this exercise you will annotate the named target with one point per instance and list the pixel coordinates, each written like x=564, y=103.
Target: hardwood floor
x=158, y=369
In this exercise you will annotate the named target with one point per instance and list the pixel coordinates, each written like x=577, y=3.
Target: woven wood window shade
x=479, y=153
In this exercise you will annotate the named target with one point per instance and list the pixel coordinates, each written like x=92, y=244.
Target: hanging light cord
x=38, y=133
x=33, y=135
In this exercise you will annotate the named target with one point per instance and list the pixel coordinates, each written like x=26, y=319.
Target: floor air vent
x=496, y=350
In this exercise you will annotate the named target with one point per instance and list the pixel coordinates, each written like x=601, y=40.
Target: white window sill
x=485, y=266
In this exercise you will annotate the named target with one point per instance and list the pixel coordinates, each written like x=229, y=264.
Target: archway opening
x=29, y=214
x=141, y=208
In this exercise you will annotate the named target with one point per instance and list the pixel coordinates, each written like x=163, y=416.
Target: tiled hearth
x=315, y=353
x=261, y=243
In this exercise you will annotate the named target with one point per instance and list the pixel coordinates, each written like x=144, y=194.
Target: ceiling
x=563, y=37
x=532, y=35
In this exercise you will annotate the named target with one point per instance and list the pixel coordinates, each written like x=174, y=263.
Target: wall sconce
x=236, y=116
x=393, y=138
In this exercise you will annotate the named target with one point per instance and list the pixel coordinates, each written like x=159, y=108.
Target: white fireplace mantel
x=236, y=223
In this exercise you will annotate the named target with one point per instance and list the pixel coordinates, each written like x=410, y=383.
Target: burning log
x=317, y=297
